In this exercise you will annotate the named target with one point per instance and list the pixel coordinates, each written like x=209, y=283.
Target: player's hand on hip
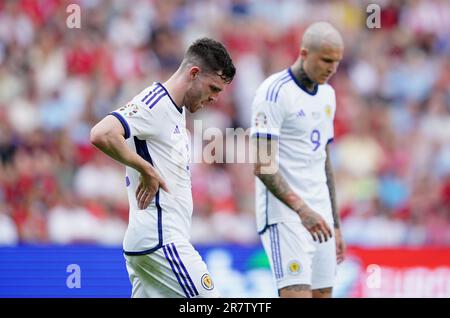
x=315, y=224
x=147, y=188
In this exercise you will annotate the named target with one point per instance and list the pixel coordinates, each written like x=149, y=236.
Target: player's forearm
x=266, y=169
x=276, y=184
x=114, y=145
x=332, y=191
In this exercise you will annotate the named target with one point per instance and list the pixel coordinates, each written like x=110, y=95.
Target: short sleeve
x=267, y=118
x=137, y=120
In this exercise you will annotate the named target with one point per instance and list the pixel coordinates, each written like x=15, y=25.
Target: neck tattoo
x=303, y=78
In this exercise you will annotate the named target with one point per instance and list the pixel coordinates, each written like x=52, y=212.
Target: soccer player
x=292, y=115
x=148, y=135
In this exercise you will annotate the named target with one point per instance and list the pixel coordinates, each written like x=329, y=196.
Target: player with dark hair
x=148, y=136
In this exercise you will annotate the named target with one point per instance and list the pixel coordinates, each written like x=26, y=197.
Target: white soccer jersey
x=303, y=124
x=156, y=129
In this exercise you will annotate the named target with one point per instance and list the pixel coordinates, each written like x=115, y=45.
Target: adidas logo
x=176, y=130
x=301, y=113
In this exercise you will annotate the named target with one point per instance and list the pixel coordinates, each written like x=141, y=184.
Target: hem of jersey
x=180, y=109
x=145, y=252
x=157, y=247
x=124, y=123
x=303, y=88
x=289, y=221
x=261, y=232
x=266, y=213
x=277, y=221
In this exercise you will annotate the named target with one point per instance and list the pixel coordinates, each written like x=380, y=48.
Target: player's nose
x=333, y=68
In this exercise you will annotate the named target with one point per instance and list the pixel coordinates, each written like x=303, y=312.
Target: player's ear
x=194, y=72
x=304, y=53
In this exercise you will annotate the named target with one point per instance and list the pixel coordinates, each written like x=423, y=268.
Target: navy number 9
x=315, y=139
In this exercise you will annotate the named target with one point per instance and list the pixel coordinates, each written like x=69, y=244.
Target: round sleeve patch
x=261, y=120
x=207, y=282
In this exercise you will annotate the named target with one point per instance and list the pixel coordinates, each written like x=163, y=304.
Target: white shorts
x=296, y=259
x=175, y=270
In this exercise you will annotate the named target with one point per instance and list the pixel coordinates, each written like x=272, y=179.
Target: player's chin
x=192, y=109
x=196, y=108
x=323, y=79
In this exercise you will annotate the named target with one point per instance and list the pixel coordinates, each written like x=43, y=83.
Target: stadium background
x=62, y=202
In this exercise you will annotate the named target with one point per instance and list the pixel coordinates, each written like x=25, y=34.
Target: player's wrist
x=146, y=169
x=302, y=209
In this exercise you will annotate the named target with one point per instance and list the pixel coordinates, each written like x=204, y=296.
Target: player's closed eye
x=214, y=89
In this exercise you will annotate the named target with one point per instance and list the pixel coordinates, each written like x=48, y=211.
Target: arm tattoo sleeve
x=332, y=190
x=278, y=186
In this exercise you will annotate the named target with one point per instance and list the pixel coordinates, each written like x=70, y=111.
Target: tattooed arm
x=331, y=188
x=340, y=244
x=266, y=169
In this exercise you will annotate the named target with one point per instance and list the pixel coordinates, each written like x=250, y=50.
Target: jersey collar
x=302, y=87
x=180, y=109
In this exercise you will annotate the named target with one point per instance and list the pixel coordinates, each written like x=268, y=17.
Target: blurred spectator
x=8, y=229
x=392, y=127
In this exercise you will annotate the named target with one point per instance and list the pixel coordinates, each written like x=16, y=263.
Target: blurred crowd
x=391, y=151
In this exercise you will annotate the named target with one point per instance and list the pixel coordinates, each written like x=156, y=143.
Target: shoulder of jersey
x=271, y=88
x=150, y=96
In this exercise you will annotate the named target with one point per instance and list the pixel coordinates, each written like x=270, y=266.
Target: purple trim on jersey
x=175, y=272
x=127, y=181
x=184, y=268
x=142, y=150
x=149, y=93
x=330, y=140
x=279, y=88
x=267, y=214
x=157, y=100
x=124, y=123
x=180, y=109
x=156, y=94
x=264, y=135
x=316, y=88
x=274, y=84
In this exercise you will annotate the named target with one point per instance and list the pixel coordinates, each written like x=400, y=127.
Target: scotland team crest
x=294, y=267
x=328, y=111
x=207, y=282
